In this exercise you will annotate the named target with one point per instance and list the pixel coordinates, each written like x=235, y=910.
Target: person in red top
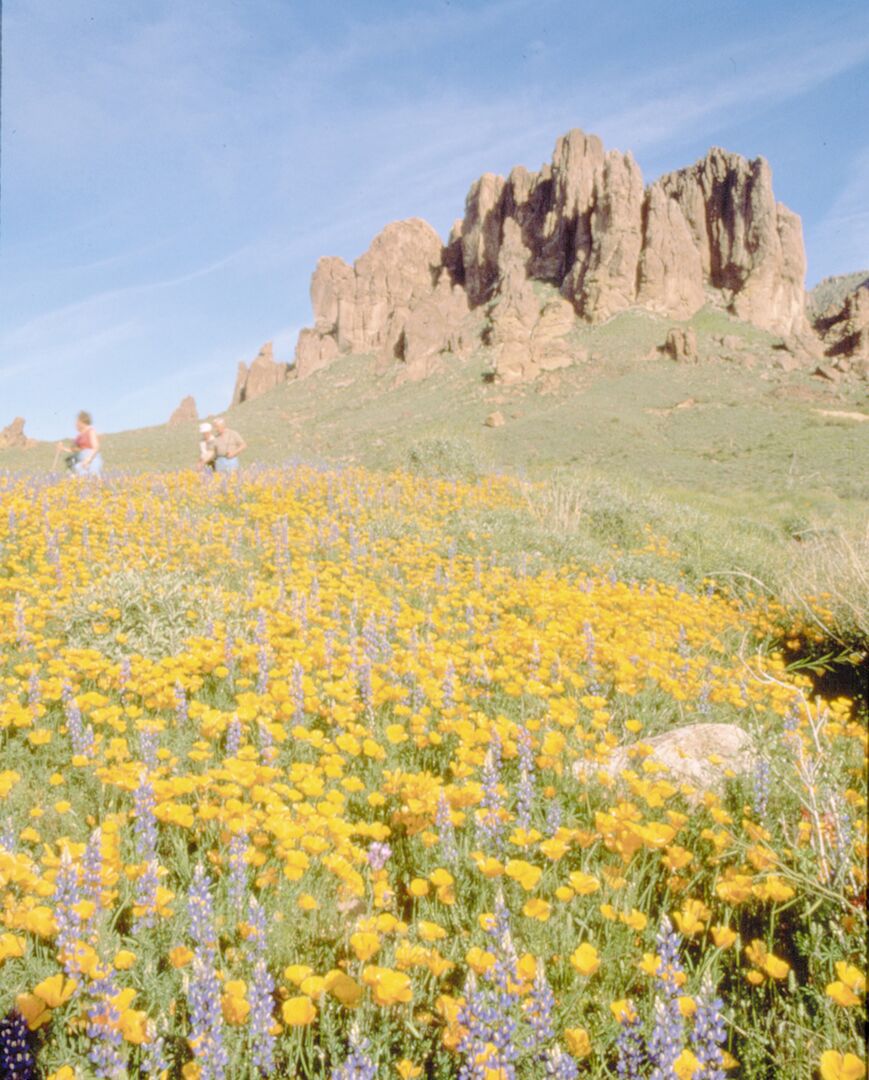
x=85, y=458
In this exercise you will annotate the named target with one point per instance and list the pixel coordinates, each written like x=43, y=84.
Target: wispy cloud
x=843, y=232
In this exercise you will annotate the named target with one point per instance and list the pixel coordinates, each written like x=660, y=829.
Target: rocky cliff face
x=582, y=238
x=264, y=374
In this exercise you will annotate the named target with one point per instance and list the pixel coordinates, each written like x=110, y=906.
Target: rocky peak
x=264, y=374
x=185, y=413
x=584, y=224
x=12, y=437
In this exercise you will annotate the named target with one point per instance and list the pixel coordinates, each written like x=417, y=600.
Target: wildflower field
x=301, y=778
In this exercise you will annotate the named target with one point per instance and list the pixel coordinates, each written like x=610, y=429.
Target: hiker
x=206, y=446
x=227, y=445
x=84, y=458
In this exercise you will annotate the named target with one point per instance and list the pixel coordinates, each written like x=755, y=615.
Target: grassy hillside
x=746, y=469
x=731, y=429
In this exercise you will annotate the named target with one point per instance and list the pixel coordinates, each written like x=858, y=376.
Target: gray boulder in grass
x=703, y=756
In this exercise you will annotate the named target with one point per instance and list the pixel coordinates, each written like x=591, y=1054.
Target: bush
x=449, y=459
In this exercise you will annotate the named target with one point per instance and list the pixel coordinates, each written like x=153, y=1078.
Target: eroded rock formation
x=12, y=437
x=185, y=413
x=264, y=374
x=844, y=329
x=580, y=239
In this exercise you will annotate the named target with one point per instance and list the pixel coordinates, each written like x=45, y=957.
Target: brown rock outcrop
x=681, y=345
x=185, y=413
x=397, y=302
x=264, y=374
x=844, y=330
x=585, y=225
x=12, y=437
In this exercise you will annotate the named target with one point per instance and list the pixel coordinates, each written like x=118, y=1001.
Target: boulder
x=12, y=437
x=701, y=756
x=185, y=413
x=681, y=345
x=495, y=419
x=264, y=374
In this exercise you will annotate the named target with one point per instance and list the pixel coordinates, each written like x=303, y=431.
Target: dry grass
x=833, y=570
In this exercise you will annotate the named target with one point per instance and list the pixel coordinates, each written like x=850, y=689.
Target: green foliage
x=445, y=458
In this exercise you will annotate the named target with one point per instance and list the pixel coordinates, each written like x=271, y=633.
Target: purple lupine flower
x=8, y=838
x=668, y=1034
x=81, y=736
x=181, y=713
x=17, y=1060
x=155, y=1061
x=490, y=1012
x=446, y=830
x=366, y=690
x=525, y=793
x=843, y=830
x=448, y=688
x=357, y=1066
x=553, y=817
x=260, y=995
x=148, y=740
x=489, y=823
x=298, y=693
x=34, y=692
x=631, y=1048
x=588, y=631
x=238, y=883
x=761, y=787
x=267, y=751
x=67, y=894
x=20, y=622
x=559, y=1065
x=145, y=897
x=105, y=1053
x=233, y=737
x=92, y=868
x=538, y=1010
x=262, y=654
x=123, y=675
x=203, y=990
x=144, y=822
x=378, y=855
x=708, y=1034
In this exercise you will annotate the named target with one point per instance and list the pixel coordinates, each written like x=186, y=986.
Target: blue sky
x=171, y=171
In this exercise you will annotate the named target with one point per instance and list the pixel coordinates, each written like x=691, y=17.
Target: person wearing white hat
x=206, y=446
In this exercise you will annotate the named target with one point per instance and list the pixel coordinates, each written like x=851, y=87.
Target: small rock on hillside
x=12, y=437
x=185, y=413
